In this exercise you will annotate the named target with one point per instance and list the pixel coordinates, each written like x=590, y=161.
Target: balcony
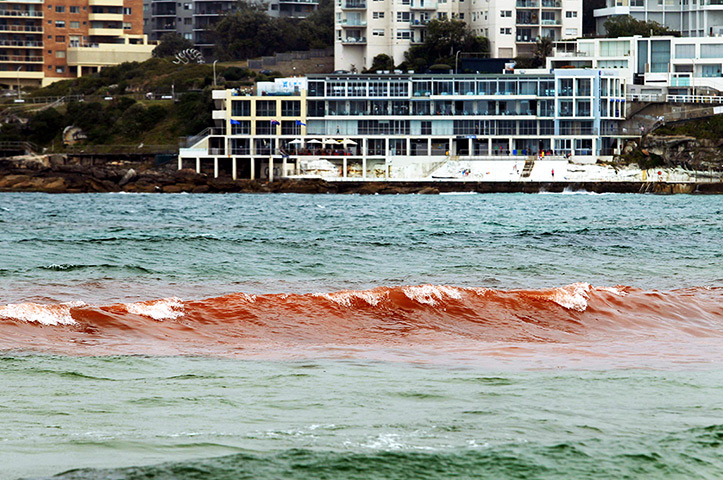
x=20, y=59
x=108, y=32
x=527, y=4
x=354, y=41
x=20, y=43
x=105, y=17
x=311, y=2
x=423, y=5
x=550, y=22
x=21, y=13
x=419, y=23
x=106, y=3
x=354, y=5
x=353, y=23
x=21, y=28
x=551, y=4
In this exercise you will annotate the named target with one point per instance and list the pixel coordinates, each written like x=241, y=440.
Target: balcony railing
x=20, y=13
x=350, y=4
x=353, y=23
x=21, y=28
x=551, y=4
x=20, y=59
x=354, y=40
x=527, y=4
x=550, y=22
x=20, y=43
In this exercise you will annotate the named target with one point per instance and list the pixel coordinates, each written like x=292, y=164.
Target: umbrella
x=314, y=141
x=296, y=142
x=329, y=141
x=348, y=141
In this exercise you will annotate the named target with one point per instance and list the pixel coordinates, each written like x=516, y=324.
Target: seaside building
x=194, y=19
x=655, y=65
x=367, y=28
x=692, y=18
x=45, y=41
x=411, y=126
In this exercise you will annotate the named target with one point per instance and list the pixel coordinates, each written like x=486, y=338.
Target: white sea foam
x=58, y=314
x=573, y=297
x=616, y=290
x=345, y=299
x=163, y=309
x=431, y=294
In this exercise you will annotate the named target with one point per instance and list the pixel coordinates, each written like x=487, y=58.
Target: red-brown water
x=414, y=322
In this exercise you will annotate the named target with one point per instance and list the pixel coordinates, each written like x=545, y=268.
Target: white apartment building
x=367, y=28
x=692, y=18
x=665, y=64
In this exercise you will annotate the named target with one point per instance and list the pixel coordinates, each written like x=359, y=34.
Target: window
x=685, y=51
x=461, y=16
x=614, y=48
x=241, y=108
x=711, y=51
x=571, y=32
x=60, y=69
x=60, y=54
x=505, y=31
x=59, y=9
x=74, y=24
x=290, y=108
x=128, y=11
x=74, y=9
x=377, y=33
x=188, y=6
x=188, y=36
x=403, y=17
x=506, y=13
x=59, y=38
x=265, y=108
x=404, y=34
x=377, y=15
x=187, y=21
x=571, y=14
x=127, y=25
x=265, y=127
x=59, y=24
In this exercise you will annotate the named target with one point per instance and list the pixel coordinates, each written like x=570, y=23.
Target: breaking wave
x=419, y=317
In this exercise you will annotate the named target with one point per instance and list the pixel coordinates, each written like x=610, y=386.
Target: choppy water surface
x=325, y=336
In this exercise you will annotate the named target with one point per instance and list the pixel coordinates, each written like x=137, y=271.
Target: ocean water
x=361, y=337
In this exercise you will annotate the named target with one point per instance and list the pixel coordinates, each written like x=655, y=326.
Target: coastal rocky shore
x=58, y=177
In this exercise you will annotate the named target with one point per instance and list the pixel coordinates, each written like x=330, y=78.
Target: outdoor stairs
x=527, y=169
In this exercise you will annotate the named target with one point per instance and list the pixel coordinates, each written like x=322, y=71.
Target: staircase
x=527, y=169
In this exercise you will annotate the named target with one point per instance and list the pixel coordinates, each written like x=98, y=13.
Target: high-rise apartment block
x=367, y=28
x=42, y=41
x=194, y=19
x=692, y=18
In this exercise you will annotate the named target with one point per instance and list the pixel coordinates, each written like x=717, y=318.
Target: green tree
x=170, y=44
x=444, y=39
x=627, y=26
x=381, y=62
x=44, y=126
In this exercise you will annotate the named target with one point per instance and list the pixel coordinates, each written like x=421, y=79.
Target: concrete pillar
x=343, y=167
x=180, y=162
x=233, y=168
x=297, y=168
x=283, y=166
x=215, y=167
x=198, y=165
x=364, y=168
x=253, y=168
x=271, y=169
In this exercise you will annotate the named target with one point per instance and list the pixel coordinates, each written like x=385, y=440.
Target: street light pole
x=20, y=95
x=214, y=73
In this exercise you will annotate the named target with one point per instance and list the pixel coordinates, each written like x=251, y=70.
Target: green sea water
x=352, y=416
